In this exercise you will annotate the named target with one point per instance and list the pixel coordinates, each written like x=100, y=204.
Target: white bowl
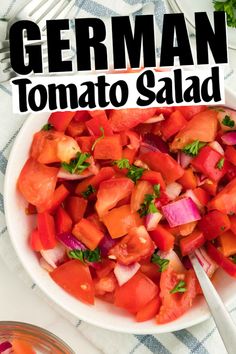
x=102, y=314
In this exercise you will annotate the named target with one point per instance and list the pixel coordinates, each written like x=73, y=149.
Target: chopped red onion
x=54, y=256
x=190, y=193
x=154, y=143
x=183, y=159
x=187, y=263
x=73, y=176
x=229, y=138
x=4, y=346
x=106, y=244
x=152, y=221
x=181, y=212
x=70, y=241
x=124, y=273
x=135, y=140
x=206, y=262
x=45, y=265
x=173, y=190
x=217, y=147
x=155, y=119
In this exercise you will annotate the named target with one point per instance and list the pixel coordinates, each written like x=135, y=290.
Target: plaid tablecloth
x=202, y=338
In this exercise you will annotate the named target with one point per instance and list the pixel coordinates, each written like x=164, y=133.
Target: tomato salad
x=122, y=197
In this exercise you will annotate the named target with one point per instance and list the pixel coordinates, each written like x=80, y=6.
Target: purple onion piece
x=4, y=346
x=156, y=142
x=70, y=241
x=229, y=138
x=106, y=244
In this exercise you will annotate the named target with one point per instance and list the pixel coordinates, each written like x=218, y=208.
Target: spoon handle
x=222, y=318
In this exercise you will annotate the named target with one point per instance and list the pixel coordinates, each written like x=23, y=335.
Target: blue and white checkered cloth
x=201, y=339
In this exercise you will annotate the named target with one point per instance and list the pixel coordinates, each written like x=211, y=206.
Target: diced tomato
x=206, y=162
x=20, y=346
x=135, y=246
x=99, y=121
x=61, y=120
x=166, y=111
x=31, y=209
x=85, y=143
x=210, y=187
x=94, y=218
x=75, y=128
x=231, y=172
x=187, y=229
x=129, y=154
x=190, y=111
x=175, y=305
x=104, y=174
x=202, y=195
x=35, y=241
x=233, y=223
x=173, y=124
x=225, y=200
x=75, y=278
x=108, y=148
x=193, y=241
x=149, y=311
x=76, y=207
x=88, y=233
x=108, y=284
x=37, y=182
x=138, y=194
x=81, y=116
x=110, y=192
x=222, y=261
x=163, y=163
x=227, y=242
x=214, y=224
x=154, y=178
x=188, y=180
x=105, y=267
x=119, y=220
x=133, y=138
x=59, y=196
x=124, y=119
x=46, y=230
x=202, y=127
x=136, y=293
x=44, y=146
x=151, y=270
x=63, y=222
x=230, y=154
x=163, y=239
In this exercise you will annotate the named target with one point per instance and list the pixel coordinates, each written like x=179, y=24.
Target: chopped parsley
x=86, y=255
x=47, y=127
x=193, y=148
x=220, y=163
x=229, y=6
x=179, y=288
x=135, y=173
x=88, y=191
x=100, y=137
x=123, y=163
x=161, y=262
x=148, y=206
x=78, y=164
x=228, y=122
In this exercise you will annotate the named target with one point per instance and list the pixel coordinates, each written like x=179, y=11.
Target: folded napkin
x=202, y=338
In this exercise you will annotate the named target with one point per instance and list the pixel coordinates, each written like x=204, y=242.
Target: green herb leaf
x=47, y=127
x=77, y=165
x=100, y=137
x=123, y=163
x=233, y=258
x=228, y=122
x=86, y=255
x=179, y=288
x=161, y=262
x=220, y=163
x=148, y=206
x=193, y=148
x=229, y=6
x=157, y=190
x=90, y=190
x=135, y=173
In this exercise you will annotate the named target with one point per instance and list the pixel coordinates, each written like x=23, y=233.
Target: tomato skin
x=175, y=305
x=138, y=194
x=233, y=223
x=136, y=293
x=108, y=148
x=119, y=220
x=63, y=222
x=214, y=224
x=76, y=207
x=230, y=154
x=46, y=230
x=188, y=180
x=173, y=124
x=107, y=284
x=163, y=239
x=37, y=182
x=99, y=120
x=85, y=143
x=206, y=162
x=44, y=146
x=154, y=178
x=59, y=196
x=35, y=241
x=75, y=278
x=225, y=200
x=149, y=311
x=124, y=119
x=202, y=195
x=110, y=192
x=202, y=127
x=106, y=266
x=222, y=261
x=61, y=120
x=135, y=246
x=88, y=233
x=75, y=128
x=150, y=270
x=191, y=242
x=227, y=242
x=191, y=111
x=163, y=163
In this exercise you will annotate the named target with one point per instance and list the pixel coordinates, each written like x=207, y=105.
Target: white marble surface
x=19, y=303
